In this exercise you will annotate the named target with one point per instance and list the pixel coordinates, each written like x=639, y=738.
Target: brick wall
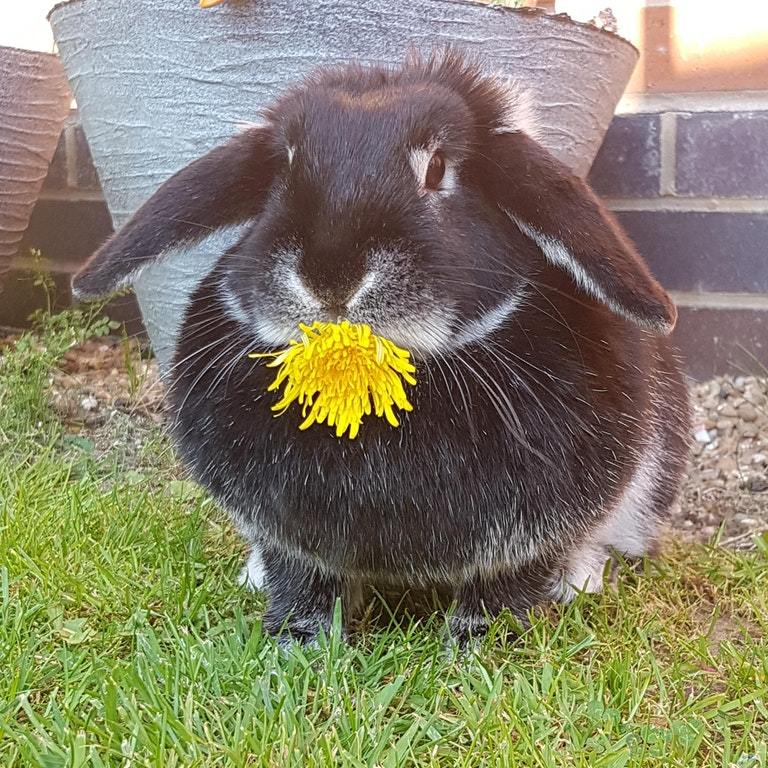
x=685, y=167
x=689, y=182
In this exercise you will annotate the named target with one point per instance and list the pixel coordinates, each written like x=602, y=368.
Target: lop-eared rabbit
x=550, y=421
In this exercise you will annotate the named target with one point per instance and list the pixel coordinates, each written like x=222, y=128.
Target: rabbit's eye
x=435, y=171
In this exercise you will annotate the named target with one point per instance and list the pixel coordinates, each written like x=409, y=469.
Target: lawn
x=125, y=640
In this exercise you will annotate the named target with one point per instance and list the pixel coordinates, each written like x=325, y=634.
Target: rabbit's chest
x=391, y=495
x=460, y=480
x=428, y=498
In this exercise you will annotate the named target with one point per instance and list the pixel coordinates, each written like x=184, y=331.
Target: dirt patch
x=108, y=393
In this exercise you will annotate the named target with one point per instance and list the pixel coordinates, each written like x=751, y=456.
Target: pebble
x=727, y=484
x=747, y=412
x=89, y=403
x=757, y=484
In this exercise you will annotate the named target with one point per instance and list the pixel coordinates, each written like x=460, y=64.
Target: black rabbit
x=550, y=420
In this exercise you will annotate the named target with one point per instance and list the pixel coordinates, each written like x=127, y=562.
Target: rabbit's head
x=415, y=200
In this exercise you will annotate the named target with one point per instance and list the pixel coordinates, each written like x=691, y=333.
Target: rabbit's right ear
x=573, y=229
x=224, y=187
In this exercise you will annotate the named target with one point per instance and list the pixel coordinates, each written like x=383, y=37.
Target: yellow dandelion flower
x=210, y=3
x=339, y=373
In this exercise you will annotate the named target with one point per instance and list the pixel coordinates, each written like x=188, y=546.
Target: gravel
x=114, y=398
x=726, y=491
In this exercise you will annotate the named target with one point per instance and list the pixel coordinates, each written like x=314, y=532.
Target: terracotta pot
x=159, y=82
x=34, y=103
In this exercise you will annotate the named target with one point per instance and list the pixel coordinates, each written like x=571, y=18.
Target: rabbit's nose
x=332, y=299
x=333, y=292
x=334, y=281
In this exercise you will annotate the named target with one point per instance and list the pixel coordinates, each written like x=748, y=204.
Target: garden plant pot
x=160, y=82
x=34, y=103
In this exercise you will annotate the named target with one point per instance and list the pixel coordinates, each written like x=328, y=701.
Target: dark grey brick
x=722, y=154
x=86, y=173
x=67, y=232
x=20, y=297
x=628, y=163
x=57, y=170
x=703, y=251
x=717, y=341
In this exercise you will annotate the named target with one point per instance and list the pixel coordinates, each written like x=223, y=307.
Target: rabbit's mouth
x=426, y=327
x=426, y=335
x=399, y=307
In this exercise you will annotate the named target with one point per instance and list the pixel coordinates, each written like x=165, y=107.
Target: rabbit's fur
x=550, y=420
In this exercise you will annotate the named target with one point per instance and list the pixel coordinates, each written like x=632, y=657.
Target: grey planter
x=34, y=103
x=159, y=82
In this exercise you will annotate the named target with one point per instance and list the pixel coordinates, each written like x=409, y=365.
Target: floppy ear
x=573, y=229
x=226, y=186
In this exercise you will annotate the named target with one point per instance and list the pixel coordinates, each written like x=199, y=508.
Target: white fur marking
x=423, y=334
x=558, y=255
x=628, y=529
x=489, y=322
x=630, y=526
x=448, y=184
x=274, y=333
x=232, y=305
x=365, y=285
x=420, y=157
x=300, y=288
x=584, y=573
x=252, y=576
x=216, y=240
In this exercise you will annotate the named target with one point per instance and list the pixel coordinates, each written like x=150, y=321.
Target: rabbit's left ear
x=573, y=229
x=224, y=187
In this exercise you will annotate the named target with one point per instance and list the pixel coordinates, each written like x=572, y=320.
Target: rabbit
x=550, y=421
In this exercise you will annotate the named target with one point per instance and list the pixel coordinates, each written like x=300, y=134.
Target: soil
x=107, y=393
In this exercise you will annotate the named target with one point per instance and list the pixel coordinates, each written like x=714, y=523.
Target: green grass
x=124, y=640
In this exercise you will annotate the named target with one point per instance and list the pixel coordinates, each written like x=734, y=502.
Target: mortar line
x=688, y=204
x=71, y=196
x=668, y=150
x=693, y=101
x=717, y=300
